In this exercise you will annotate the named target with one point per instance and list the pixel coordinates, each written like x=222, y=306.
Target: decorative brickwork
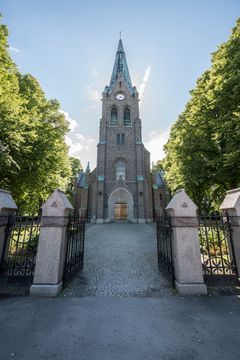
x=123, y=164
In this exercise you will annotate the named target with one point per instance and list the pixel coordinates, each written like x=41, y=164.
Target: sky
x=70, y=47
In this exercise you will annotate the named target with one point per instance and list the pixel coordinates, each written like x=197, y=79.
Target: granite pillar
x=231, y=207
x=185, y=245
x=51, y=246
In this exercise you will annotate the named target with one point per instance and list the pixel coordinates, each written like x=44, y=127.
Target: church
x=122, y=186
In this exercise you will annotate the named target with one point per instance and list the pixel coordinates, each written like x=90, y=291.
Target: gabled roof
x=120, y=69
x=81, y=181
x=160, y=179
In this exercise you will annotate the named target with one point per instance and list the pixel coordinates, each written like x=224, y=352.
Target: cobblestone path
x=120, y=260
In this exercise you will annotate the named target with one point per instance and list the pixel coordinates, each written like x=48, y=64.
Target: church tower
x=120, y=186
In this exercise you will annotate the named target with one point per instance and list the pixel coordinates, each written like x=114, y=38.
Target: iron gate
x=75, y=246
x=217, y=252
x=20, y=246
x=164, y=247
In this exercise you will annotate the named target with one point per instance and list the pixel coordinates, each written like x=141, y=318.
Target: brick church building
x=121, y=187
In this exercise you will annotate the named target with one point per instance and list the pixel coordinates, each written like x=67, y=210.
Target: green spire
x=121, y=68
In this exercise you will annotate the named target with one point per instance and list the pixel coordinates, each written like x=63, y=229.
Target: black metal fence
x=164, y=246
x=217, y=252
x=20, y=246
x=75, y=246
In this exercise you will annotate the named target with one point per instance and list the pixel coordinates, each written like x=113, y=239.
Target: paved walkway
x=120, y=260
x=141, y=320
x=120, y=328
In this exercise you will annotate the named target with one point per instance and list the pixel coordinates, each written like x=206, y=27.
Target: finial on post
x=120, y=34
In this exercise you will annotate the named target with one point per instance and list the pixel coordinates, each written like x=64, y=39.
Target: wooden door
x=120, y=212
x=123, y=211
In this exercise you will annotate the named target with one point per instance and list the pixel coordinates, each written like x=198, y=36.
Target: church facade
x=121, y=187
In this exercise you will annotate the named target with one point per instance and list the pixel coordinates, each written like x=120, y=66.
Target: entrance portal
x=120, y=211
x=120, y=205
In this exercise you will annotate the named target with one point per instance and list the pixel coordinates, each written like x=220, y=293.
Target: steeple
x=87, y=171
x=120, y=68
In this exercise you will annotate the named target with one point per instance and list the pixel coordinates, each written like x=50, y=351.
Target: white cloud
x=80, y=137
x=72, y=123
x=14, y=49
x=144, y=81
x=68, y=141
x=147, y=74
x=94, y=72
x=80, y=146
x=155, y=142
x=93, y=95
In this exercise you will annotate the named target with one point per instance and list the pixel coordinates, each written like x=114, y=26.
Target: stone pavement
x=120, y=328
x=120, y=260
x=137, y=318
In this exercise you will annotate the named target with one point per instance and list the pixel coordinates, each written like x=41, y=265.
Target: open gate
x=164, y=247
x=75, y=246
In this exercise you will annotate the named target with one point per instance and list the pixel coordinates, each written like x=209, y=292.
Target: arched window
x=114, y=116
x=120, y=170
x=126, y=117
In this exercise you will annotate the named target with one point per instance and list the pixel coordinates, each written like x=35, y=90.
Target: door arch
x=120, y=196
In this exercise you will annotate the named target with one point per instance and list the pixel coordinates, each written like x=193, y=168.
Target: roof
x=120, y=68
x=159, y=179
x=81, y=181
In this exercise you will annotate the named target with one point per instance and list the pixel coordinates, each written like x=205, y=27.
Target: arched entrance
x=120, y=205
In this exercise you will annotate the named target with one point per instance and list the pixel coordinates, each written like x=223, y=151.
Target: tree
x=46, y=164
x=11, y=120
x=202, y=154
x=158, y=165
x=33, y=153
x=76, y=167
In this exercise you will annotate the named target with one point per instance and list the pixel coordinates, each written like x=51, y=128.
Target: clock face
x=120, y=97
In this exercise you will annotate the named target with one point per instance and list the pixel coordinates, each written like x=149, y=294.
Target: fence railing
x=216, y=248
x=21, y=241
x=75, y=246
x=20, y=246
x=164, y=246
x=217, y=252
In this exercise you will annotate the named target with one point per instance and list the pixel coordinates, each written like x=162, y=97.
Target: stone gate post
x=51, y=246
x=7, y=208
x=231, y=206
x=185, y=245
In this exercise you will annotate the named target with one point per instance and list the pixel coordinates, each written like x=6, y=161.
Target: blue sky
x=70, y=46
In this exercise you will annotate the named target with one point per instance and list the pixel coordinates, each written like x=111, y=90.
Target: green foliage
x=158, y=165
x=76, y=167
x=203, y=151
x=213, y=240
x=33, y=153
